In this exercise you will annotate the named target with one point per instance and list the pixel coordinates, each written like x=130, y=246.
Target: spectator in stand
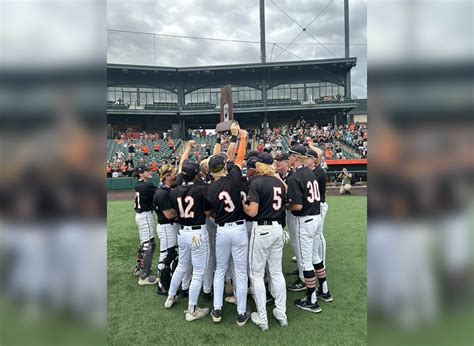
x=338, y=149
x=154, y=167
x=123, y=169
x=328, y=153
x=156, y=147
x=130, y=169
x=109, y=170
x=346, y=182
x=260, y=147
x=171, y=145
x=146, y=149
x=131, y=149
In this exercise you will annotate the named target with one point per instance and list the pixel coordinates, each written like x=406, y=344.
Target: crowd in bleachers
x=337, y=143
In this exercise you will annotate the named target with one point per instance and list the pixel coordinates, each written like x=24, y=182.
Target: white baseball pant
x=189, y=255
x=322, y=247
x=211, y=267
x=168, y=235
x=266, y=248
x=231, y=241
x=309, y=239
x=294, y=240
x=146, y=226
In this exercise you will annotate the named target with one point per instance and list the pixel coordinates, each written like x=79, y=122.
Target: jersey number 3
x=313, y=189
x=229, y=205
x=186, y=213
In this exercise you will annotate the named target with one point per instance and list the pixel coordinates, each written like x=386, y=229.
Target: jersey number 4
x=185, y=212
x=229, y=205
x=313, y=189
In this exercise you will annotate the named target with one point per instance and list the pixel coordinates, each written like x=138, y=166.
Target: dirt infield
x=127, y=195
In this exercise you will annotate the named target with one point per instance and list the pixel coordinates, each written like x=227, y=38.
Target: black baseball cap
x=217, y=162
x=190, y=168
x=252, y=153
x=252, y=162
x=265, y=158
x=280, y=156
x=311, y=153
x=141, y=169
x=298, y=149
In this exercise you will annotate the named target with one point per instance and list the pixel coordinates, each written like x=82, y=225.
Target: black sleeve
x=294, y=193
x=179, y=179
x=253, y=195
x=236, y=174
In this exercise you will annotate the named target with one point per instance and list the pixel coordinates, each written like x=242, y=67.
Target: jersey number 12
x=186, y=213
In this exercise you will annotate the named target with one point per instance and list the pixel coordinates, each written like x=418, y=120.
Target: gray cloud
x=234, y=19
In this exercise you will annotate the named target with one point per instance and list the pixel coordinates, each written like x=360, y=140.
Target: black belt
x=240, y=222
x=267, y=222
x=143, y=211
x=167, y=223
x=192, y=227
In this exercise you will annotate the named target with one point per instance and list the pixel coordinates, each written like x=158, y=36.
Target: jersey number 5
x=276, y=198
x=313, y=189
x=229, y=205
x=186, y=213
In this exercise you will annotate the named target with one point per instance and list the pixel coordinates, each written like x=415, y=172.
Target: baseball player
x=267, y=198
x=231, y=236
x=191, y=206
x=323, y=290
x=167, y=230
x=304, y=203
x=144, y=191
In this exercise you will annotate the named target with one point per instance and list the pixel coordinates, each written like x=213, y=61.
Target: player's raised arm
x=217, y=146
x=242, y=147
x=186, y=152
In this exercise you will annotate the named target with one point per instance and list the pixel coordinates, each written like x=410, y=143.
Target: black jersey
x=189, y=201
x=269, y=193
x=161, y=201
x=320, y=174
x=144, y=192
x=303, y=190
x=286, y=176
x=225, y=198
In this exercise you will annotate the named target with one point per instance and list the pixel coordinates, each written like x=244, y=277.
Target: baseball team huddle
x=217, y=226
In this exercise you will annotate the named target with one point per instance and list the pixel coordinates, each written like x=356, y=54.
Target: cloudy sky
x=235, y=20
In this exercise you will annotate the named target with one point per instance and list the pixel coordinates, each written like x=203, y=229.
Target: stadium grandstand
x=276, y=102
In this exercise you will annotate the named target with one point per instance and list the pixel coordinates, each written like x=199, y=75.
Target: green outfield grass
x=136, y=315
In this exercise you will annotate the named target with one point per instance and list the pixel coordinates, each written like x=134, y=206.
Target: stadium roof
x=343, y=63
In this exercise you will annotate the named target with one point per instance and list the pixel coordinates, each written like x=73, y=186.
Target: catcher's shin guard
x=148, y=250
x=139, y=264
x=167, y=268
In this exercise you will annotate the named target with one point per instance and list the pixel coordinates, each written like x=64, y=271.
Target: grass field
x=136, y=315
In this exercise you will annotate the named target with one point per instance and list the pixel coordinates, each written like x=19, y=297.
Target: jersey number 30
x=313, y=189
x=186, y=213
x=229, y=205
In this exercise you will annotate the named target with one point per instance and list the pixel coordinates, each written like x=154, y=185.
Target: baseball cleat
x=183, y=294
x=298, y=285
x=231, y=299
x=161, y=291
x=306, y=304
x=138, y=272
x=150, y=280
x=170, y=301
x=256, y=319
x=216, y=315
x=198, y=313
x=243, y=318
x=208, y=297
x=270, y=300
x=294, y=273
x=283, y=321
x=324, y=296
x=293, y=258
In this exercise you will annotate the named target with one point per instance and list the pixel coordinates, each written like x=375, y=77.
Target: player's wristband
x=218, y=140
x=233, y=139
